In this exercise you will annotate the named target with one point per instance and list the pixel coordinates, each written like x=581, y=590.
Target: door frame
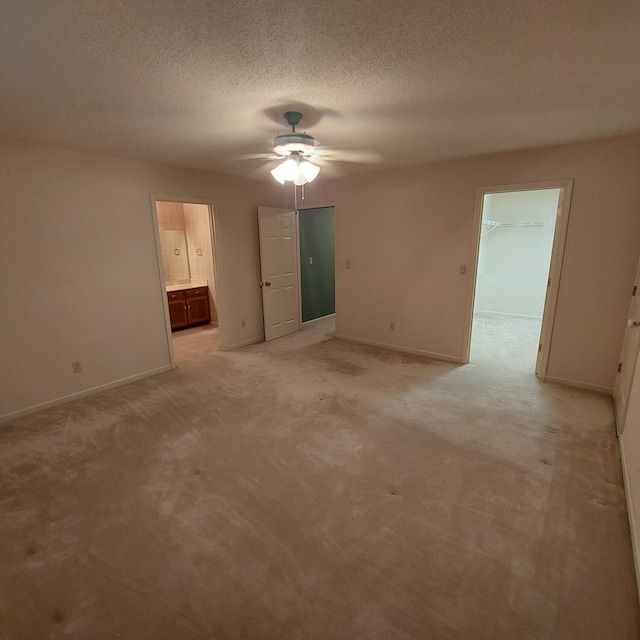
x=154, y=197
x=555, y=265
x=335, y=264
x=631, y=360
x=322, y=204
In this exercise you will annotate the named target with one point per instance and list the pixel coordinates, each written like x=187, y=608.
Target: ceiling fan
x=302, y=154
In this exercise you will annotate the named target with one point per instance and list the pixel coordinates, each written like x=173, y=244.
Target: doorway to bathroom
x=187, y=256
x=521, y=241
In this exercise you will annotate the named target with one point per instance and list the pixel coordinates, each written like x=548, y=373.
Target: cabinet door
x=177, y=310
x=198, y=305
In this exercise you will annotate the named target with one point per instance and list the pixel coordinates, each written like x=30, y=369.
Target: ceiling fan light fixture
x=309, y=170
x=287, y=170
x=296, y=170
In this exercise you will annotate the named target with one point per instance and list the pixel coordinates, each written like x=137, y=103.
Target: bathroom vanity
x=188, y=305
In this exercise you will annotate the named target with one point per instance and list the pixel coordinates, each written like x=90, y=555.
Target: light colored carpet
x=195, y=341
x=309, y=488
x=506, y=342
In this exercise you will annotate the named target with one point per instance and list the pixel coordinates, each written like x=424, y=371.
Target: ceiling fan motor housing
x=289, y=142
x=293, y=141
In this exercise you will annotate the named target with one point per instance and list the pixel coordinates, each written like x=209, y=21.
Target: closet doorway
x=520, y=245
x=187, y=257
x=316, y=233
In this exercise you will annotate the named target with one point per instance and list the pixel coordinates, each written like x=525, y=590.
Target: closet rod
x=494, y=223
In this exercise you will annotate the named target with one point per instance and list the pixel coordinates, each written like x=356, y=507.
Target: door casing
x=628, y=358
x=555, y=266
x=212, y=229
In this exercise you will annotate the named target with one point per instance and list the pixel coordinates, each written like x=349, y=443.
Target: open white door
x=628, y=357
x=279, y=271
x=553, y=281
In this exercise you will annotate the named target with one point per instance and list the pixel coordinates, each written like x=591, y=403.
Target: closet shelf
x=494, y=223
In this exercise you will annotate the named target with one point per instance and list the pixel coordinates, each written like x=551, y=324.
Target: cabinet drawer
x=197, y=293
x=175, y=295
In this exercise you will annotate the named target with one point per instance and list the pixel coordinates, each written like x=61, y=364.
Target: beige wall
x=79, y=278
x=79, y=273
x=406, y=233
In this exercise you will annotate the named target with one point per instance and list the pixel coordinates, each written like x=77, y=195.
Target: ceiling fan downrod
x=293, y=119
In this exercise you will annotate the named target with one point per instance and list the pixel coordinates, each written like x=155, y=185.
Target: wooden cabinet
x=198, y=305
x=188, y=307
x=177, y=310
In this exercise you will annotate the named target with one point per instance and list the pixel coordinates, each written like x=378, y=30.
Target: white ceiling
x=200, y=82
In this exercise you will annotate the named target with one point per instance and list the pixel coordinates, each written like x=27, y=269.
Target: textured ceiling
x=202, y=82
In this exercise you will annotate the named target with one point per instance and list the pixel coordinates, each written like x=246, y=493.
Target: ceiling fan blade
x=363, y=156
x=332, y=170
x=257, y=156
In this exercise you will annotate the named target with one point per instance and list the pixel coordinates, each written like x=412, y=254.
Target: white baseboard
x=580, y=385
x=81, y=394
x=395, y=347
x=244, y=343
x=633, y=523
x=309, y=324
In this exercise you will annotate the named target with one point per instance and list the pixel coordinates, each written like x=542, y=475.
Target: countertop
x=194, y=284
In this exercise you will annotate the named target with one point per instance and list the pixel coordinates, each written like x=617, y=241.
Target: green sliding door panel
x=317, y=263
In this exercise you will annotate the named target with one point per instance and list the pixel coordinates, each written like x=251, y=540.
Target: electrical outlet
x=310, y=260
x=463, y=269
x=348, y=264
x=244, y=323
x=392, y=326
x=76, y=367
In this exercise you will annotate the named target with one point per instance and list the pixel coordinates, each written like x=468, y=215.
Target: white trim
x=214, y=247
x=307, y=208
x=246, y=343
x=216, y=271
x=635, y=534
x=323, y=205
x=316, y=206
x=620, y=400
x=309, y=324
x=299, y=267
x=395, y=347
x=555, y=266
x=555, y=273
x=161, y=279
x=580, y=385
x=527, y=186
x=81, y=394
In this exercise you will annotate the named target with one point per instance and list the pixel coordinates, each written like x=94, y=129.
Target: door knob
x=633, y=323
